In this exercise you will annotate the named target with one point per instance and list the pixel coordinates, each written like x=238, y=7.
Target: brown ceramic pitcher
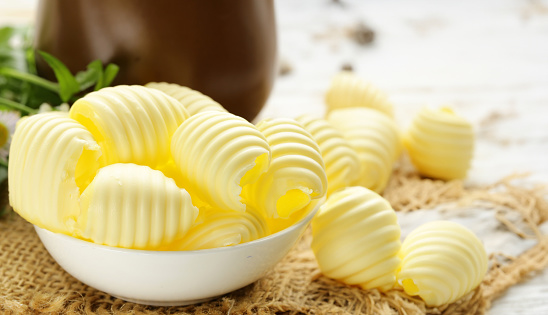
x=224, y=48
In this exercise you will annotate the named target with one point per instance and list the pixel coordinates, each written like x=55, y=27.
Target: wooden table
x=488, y=59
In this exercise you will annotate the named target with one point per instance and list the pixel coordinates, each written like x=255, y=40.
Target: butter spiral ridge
x=194, y=101
x=133, y=206
x=356, y=239
x=376, y=139
x=440, y=143
x=52, y=160
x=348, y=90
x=218, y=153
x=296, y=173
x=441, y=262
x=132, y=124
x=220, y=228
x=342, y=165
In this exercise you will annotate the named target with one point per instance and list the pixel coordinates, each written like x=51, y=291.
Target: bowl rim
x=208, y=251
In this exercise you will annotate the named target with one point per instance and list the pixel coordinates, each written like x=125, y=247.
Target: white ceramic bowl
x=170, y=278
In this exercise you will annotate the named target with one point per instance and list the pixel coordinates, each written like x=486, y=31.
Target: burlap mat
x=33, y=283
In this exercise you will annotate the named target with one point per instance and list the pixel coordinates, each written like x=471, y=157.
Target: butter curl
x=296, y=174
x=217, y=154
x=133, y=206
x=348, y=90
x=441, y=262
x=52, y=160
x=194, y=101
x=132, y=124
x=440, y=143
x=376, y=139
x=342, y=165
x=356, y=239
x=220, y=228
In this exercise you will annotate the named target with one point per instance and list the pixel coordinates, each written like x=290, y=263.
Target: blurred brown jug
x=225, y=49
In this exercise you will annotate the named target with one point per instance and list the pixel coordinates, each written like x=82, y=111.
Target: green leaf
x=6, y=33
x=13, y=42
x=37, y=96
x=11, y=58
x=108, y=76
x=22, y=89
x=31, y=78
x=9, y=104
x=90, y=76
x=68, y=85
x=9, y=33
x=30, y=56
x=25, y=91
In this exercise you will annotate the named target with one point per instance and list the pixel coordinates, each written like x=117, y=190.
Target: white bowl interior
x=170, y=277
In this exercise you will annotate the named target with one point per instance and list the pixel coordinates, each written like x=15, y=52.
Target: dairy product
x=376, y=139
x=220, y=228
x=132, y=124
x=133, y=206
x=53, y=158
x=296, y=174
x=194, y=101
x=440, y=143
x=342, y=165
x=218, y=153
x=441, y=262
x=348, y=90
x=277, y=224
x=103, y=172
x=356, y=239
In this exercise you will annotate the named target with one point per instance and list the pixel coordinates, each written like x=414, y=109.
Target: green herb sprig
x=23, y=90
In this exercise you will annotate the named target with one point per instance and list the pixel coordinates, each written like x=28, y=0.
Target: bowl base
x=166, y=303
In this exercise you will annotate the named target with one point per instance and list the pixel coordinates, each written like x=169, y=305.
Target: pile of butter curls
x=356, y=236
x=164, y=167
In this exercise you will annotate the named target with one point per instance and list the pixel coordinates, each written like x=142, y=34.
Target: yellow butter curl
x=217, y=154
x=441, y=262
x=440, y=143
x=194, y=101
x=356, y=239
x=296, y=174
x=133, y=206
x=53, y=158
x=132, y=124
x=220, y=228
x=342, y=165
x=348, y=90
x=376, y=139
x=278, y=224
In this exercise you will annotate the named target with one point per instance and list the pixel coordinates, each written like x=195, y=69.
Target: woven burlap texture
x=33, y=283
